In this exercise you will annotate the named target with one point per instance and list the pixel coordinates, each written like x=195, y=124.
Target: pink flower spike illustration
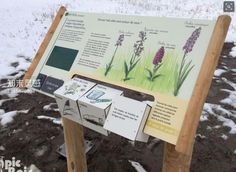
x=157, y=62
x=159, y=56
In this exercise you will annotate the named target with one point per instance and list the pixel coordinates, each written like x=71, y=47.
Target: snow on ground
x=33, y=168
x=222, y=114
x=54, y=120
x=25, y=22
x=14, y=92
x=8, y=117
x=223, y=136
x=2, y=148
x=219, y=72
x=231, y=99
x=138, y=167
x=51, y=107
x=6, y=100
x=200, y=136
x=233, y=52
x=216, y=111
x=2, y=112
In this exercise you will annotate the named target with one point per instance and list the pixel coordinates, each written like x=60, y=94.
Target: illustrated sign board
x=161, y=57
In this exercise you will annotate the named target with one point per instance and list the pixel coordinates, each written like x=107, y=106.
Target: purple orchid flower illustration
x=138, y=48
x=157, y=62
x=186, y=66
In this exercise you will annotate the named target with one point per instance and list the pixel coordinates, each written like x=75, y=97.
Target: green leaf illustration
x=150, y=73
x=126, y=68
x=156, y=76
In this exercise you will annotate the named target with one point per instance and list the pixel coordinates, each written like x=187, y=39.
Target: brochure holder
x=176, y=157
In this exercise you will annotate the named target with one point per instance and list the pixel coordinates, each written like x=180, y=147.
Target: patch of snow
x=219, y=110
x=138, y=167
x=228, y=123
x=232, y=84
x=6, y=100
x=209, y=128
x=2, y=148
x=2, y=111
x=40, y=152
x=14, y=92
x=17, y=75
x=201, y=136
x=33, y=168
x=231, y=99
x=203, y=117
x=223, y=136
x=8, y=117
x=217, y=126
x=234, y=152
x=219, y=72
x=51, y=107
x=225, y=67
x=219, y=113
x=54, y=120
x=233, y=52
x=233, y=70
x=208, y=108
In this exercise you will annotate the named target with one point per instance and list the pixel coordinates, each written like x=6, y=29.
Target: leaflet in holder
x=67, y=96
x=94, y=107
x=127, y=118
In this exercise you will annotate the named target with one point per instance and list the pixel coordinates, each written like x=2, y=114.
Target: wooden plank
x=174, y=161
x=74, y=140
x=43, y=45
x=190, y=123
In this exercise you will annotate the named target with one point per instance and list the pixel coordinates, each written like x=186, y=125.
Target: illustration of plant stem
x=185, y=67
x=157, y=64
x=138, y=48
x=118, y=43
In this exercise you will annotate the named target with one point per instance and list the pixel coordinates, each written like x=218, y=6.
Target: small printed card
x=127, y=118
x=94, y=107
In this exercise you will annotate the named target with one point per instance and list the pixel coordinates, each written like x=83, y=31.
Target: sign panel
x=157, y=56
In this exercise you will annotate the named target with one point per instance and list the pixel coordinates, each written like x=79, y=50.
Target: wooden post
x=75, y=149
x=178, y=158
x=174, y=161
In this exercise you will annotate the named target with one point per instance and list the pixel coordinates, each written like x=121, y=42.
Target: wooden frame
x=176, y=158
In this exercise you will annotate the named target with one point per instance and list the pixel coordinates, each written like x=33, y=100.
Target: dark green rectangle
x=62, y=58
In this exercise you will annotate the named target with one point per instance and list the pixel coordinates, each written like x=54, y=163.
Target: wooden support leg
x=174, y=161
x=75, y=148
